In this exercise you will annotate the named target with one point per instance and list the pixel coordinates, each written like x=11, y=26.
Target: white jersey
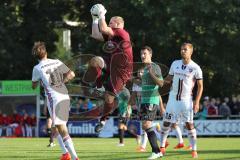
x=184, y=77
x=50, y=73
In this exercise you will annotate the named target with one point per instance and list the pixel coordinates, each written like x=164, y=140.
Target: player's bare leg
x=50, y=133
x=95, y=65
x=121, y=130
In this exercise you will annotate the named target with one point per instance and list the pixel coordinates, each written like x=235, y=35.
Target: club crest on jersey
x=190, y=70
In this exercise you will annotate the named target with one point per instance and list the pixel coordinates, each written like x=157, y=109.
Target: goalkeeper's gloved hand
x=102, y=12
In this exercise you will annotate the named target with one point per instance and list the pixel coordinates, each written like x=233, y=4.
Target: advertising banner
x=213, y=127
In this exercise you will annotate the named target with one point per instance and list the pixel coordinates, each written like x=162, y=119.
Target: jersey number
x=56, y=78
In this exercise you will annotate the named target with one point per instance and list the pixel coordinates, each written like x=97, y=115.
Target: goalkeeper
x=114, y=68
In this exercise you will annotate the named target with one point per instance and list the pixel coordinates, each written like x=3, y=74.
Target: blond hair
x=118, y=20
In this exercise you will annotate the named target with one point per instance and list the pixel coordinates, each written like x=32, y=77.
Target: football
x=96, y=9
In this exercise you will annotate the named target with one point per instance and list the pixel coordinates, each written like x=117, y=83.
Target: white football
x=96, y=9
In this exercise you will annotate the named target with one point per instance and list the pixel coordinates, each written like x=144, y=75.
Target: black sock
x=131, y=132
x=152, y=140
x=121, y=135
x=49, y=133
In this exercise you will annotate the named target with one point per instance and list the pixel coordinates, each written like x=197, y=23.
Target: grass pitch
x=106, y=149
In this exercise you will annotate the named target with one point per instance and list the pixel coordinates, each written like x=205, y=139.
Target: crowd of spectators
x=17, y=124
x=217, y=107
x=80, y=104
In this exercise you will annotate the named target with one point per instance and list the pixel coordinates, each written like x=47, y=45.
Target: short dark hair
x=39, y=50
x=147, y=48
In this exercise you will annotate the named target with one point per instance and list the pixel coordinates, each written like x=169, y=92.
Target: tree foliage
x=212, y=26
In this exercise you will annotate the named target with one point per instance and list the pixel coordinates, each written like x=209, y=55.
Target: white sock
x=178, y=134
x=61, y=144
x=164, y=135
x=192, y=136
x=144, y=138
x=69, y=145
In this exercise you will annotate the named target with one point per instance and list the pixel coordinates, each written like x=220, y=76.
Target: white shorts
x=59, y=109
x=179, y=111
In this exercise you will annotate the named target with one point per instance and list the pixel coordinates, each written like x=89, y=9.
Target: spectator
x=203, y=111
x=218, y=102
x=16, y=117
x=25, y=124
x=224, y=110
x=80, y=106
x=234, y=106
x=31, y=124
x=88, y=103
x=212, y=108
x=7, y=120
x=226, y=100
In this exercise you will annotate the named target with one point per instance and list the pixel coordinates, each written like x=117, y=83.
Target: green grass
x=106, y=149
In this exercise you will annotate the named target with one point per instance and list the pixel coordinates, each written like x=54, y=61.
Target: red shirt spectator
x=33, y=120
x=1, y=119
x=16, y=117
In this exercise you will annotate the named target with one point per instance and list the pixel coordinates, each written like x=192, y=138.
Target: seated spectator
x=226, y=100
x=224, y=110
x=212, y=108
x=88, y=103
x=16, y=117
x=7, y=120
x=234, y=106
x=80, y=106
x=218, y=102
x=203, y=111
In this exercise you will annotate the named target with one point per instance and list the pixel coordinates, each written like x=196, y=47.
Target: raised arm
x=96, y=34
x=104, y=27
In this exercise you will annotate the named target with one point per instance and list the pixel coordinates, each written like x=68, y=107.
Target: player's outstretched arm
x=103, y=25
x=96, y=34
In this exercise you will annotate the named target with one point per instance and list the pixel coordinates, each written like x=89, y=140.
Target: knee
x=97, y=62
x=189, y=126
x=146, y=125
x=166, y=124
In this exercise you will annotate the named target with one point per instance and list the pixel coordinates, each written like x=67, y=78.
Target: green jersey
x=150, y=92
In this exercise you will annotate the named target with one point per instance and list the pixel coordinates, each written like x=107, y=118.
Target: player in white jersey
x=52, y=74
x=183, y=74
